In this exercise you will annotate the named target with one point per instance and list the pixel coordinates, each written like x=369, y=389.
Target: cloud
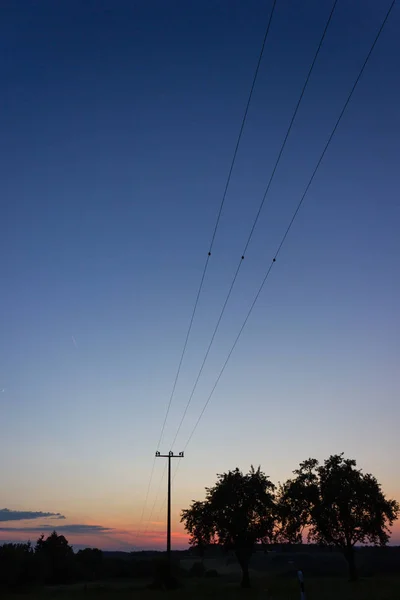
x=22, y=515
x=81, y=528
x=71, y=529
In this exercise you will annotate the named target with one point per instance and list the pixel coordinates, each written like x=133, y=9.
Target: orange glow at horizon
x=118, y=537
x=127, y=537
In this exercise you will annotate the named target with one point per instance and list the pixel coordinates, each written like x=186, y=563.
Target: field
x=266, y=589
x=273, y=577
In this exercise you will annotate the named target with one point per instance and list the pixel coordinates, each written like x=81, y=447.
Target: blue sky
x=119, y=122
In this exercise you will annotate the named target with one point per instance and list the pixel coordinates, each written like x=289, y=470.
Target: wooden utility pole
x=169, y=456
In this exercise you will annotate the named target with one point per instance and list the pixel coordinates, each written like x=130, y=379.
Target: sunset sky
x=119, y=120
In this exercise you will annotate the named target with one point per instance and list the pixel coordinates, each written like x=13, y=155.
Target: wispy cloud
x=70, y=529
x=22, y=515
x=74, y=342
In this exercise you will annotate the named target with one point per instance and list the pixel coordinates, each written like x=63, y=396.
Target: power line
x=284, y=236
x=256, y=219
x=243, y=123
x=210, y=247
x=165, y=497
x=218, y=219
x=156, y=498
x=291, y=221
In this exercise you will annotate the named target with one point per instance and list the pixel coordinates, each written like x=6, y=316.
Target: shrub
x=197, y=570
x=211, y=573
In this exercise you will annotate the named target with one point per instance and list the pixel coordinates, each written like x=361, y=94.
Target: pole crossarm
x=170, y=455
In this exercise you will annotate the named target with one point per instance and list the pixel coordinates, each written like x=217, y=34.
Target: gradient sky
x=119, y=121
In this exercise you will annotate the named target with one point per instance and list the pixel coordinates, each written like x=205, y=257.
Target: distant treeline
x=52, y=561
x=315, y=559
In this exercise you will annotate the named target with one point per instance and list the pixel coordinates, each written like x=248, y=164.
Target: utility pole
x=169, y=456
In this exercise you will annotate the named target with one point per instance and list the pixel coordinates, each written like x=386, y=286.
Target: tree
x=90, y=562
x=56, y=557
x=238, y=512
x=294, y=499
x=16, y=564
x=338, y=505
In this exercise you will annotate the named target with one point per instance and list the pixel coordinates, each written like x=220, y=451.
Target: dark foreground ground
x=273, y=575
x=266, y=588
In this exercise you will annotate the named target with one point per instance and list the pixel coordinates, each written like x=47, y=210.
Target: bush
x=211, y=573
x=88, y=564
x=197, y=570
x=17, y=565
x=143, y=568
x=163, y=579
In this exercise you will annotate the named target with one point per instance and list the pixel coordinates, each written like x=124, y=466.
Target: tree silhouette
x=55, y=556
x=338, y=505
x=91, y=562
x=238, y=512
x=16, y=564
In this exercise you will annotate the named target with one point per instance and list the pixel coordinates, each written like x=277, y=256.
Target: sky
x=119, y=121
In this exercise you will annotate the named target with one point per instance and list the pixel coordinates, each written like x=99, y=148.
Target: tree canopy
x=16, y=565
x=55, y=556
x=337, y=504
x=238, y=511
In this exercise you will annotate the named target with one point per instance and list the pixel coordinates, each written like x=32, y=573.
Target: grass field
x=273, y=588
x=273, y=576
